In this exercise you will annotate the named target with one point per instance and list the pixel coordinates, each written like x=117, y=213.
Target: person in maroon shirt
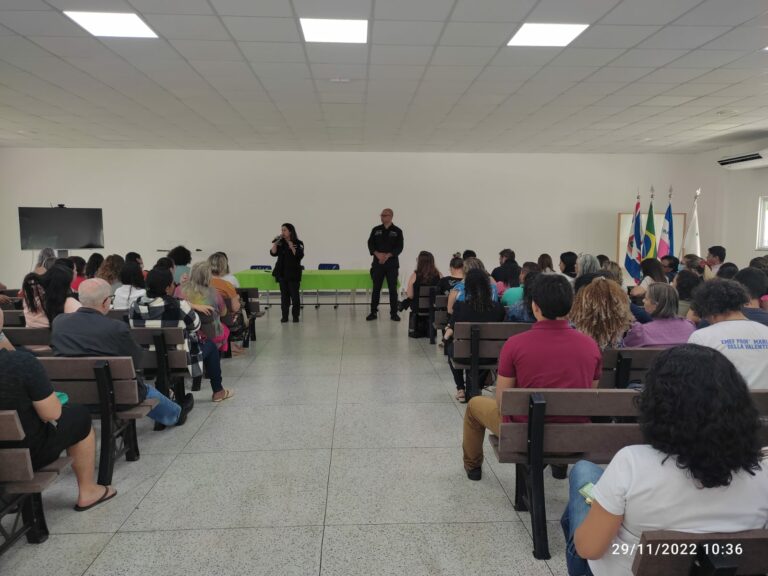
x=550, y=355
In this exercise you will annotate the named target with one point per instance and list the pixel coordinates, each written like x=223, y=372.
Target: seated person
x=514, y=294
x=79, y=263
x=457, y=294
x=47, y=295
x=522, y=311
x=88, y=332
x=685, y=283
x=727, y=270
x=601, y=311
x=132, y=287
x=425, y=275
x=110, y=270
x=182, y=258
x=756, y=283
x=506, y=263
x=456, y=275
x=744, y=342
x=158, y=309
x=5, y=344
x=670, y=264
x=652, y=272
x=234, y=318
x=49, y=427
x=701, y=470
x=197, y=290
x=667, y=328
x=526, y=361
x=478, y=307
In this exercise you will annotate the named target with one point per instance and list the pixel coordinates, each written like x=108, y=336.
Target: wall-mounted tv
x=61, y=228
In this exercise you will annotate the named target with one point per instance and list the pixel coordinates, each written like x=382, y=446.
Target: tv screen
x=61, y=228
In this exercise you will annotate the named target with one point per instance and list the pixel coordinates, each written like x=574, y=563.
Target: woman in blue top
x=457, y=294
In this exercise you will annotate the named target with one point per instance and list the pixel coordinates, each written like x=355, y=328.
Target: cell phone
x=63, y=397
x=586, y=492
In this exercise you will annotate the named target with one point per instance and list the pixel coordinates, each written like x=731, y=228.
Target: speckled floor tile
x=385, y=364
x=258, y=390
x=61, y=554
x=173, y=439
x=391, y=389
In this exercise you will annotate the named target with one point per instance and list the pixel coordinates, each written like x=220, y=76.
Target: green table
x=310, y=280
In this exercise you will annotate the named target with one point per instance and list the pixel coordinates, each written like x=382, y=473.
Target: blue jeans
x=582, y=473
x=212, y=364
x=167, y=411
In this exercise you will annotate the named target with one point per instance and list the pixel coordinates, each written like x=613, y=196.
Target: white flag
x=691, y=244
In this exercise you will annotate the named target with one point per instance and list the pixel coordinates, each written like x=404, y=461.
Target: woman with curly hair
x=700, y=470
x=601, y=311
x=110, y=270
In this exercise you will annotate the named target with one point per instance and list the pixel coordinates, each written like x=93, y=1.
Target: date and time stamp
x=677, y=549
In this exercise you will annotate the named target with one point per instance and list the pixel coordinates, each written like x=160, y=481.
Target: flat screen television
x=61, y=228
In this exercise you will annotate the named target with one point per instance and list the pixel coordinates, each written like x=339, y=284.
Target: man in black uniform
x=385, y=244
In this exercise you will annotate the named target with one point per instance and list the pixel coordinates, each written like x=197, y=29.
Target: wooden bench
x=423, y=306
x=14, y=319
x=477, y=346
x=624, y=365
x=164, y=360
x=669, y=553
x=534, y=444
x=21, y=487
x=251, y=303
x=30, y=337
x=108, y=387
x=438, y=315
x=121, y=315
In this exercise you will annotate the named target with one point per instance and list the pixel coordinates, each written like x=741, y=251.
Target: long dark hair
x=569, y=263
x=477, y=291
x=426, y=271
x=131, y=275
x=93, y=264
x=292, y=230
x=49, y=291
x=696, y=408
x=79, y=263
x=652, y=267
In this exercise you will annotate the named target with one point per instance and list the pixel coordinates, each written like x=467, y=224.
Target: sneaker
x=394, y=317
x=186, y=408
x=475, y=474
x=372, y=316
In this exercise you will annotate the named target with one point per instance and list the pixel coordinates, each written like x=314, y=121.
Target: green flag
x=649, y=239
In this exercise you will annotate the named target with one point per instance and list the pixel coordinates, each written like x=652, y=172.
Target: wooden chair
x=669, y=553
x=108, y=387
x=477, y=345
x=21, y=487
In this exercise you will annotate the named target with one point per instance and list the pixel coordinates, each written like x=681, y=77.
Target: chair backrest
x=676, y=552
x=15, y=463
x=250, y=297
x=28, y=336
x=174, y=339
x=77, y=378
x=261, y=267
x=423, y=298
x=624, y=365
x=491, y=335
x=326, y=266
x=121, y=315
x=11, y=293
x=14, y=318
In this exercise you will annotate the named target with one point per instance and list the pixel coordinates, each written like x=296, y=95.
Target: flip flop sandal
x=107, y=496
x=227, y=394
x=460, y=395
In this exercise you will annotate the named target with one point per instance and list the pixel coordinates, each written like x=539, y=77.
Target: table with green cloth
x=310, y=280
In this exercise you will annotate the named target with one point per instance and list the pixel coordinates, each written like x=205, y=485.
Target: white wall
x=236, y=201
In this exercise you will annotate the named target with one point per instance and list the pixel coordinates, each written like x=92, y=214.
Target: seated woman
x=701, y=470
x=197, y=290
x=49, y=427
x=727, y=270
x=132, y=287
x=652, y=272
x=666, y=328
x=182, y=258
x=94, y=263
x=587, y=264
x=601, y=311
x=110, y=270
x=545, y=263
x=457, y=293
x=46, y=296
x=79, y=271
x=685, y=282
x=514, y=294
x=477, y=307
x=45, y=259
x=425, y=275
x=522, y=311
x=568, y=264
x=456, y=275
x=234, y=318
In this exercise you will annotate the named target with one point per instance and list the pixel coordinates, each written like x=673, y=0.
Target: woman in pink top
x=666, y=329
x=45, y=296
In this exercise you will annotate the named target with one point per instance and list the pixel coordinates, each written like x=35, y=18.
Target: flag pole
x=688, y=224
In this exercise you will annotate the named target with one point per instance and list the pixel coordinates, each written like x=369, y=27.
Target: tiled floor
x=339, y=455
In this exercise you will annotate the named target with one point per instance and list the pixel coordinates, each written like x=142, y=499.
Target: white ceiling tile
x=477, y=34
x=213, y=68
x=525, y=56
x=451, y=73
x=723, y=12
x=743, y=90
x=342, y=97
x=604, y=36
x=491, y=10
x=273, y=51
x=91, y=5
x=693, y=89
x=24, y=5
x=571, y=11
x=506, y=74
x=397, y=55
x=392, y=72
x=647, y=58
x=616, y=74
x=208, y=50
x=741, y=38
x=707, y=58
x=200, y=7
x=586, y=56
x=263, y=8
x=406, y=33
x=564, y=73
x=683, y=37
x=727, y=75
x=39, y=23
x=187, y=27
x=757, y=60
x=323, y=53
x=435, y=10
x=139, y=49
x=462, y=55
x=671, y=75
x=286, y=70
x=668, y=100
x=648, y=11
x=350, y=71
x=262, y=29
x=438, y=87
x=71, y=47
x=715, y=101
x=343, y=9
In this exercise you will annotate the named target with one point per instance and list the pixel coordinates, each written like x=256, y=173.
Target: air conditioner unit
x=745, y=161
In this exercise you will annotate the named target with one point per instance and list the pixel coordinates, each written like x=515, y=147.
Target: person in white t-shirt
x=701, y=470
x=744, y=342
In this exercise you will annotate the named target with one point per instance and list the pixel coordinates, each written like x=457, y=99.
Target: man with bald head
x=88, y=332
x=385, y=244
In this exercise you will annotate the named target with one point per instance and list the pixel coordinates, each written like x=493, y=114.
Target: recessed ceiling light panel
x=531, y=34
x=112, y=24
x=340, y=31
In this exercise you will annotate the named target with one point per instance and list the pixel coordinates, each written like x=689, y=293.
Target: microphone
x=277, y=239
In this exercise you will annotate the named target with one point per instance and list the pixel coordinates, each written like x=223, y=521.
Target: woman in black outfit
x=289, y=251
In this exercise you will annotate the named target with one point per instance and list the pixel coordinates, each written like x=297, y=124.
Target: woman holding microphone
x=287, y=271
